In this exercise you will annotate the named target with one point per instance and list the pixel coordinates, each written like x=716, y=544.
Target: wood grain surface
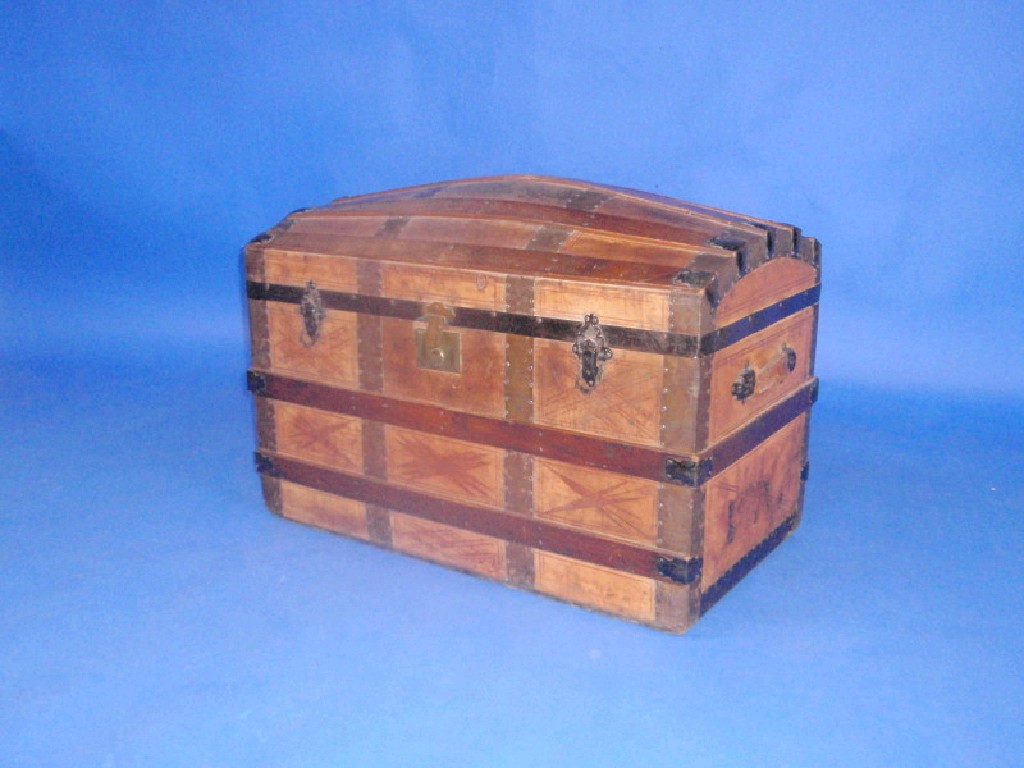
x=746, y=501
x=624, y=406
x=323, y=510
x=333, y=359
x=504, y=467
x=760, y=352
x=595, y=500
x=331, y=439
x=478, y=388
x=454, y=469
x=764, y=286
x=595, y=586
x=446, y=544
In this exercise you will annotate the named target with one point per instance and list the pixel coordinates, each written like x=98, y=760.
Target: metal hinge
x=265, y=465
x=256, y=382
x=680, y=570
x=688, y=471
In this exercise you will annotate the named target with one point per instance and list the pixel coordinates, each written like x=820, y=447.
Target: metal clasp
x=436, y=348
x=311, y=307
x=592, y=349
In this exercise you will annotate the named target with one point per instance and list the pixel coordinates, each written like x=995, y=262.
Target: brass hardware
x=311, y=307
x=592, y=350
x=436, y=348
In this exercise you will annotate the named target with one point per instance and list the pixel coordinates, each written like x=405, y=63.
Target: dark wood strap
x=526, y=531
x=618, y=337
x=561, y=445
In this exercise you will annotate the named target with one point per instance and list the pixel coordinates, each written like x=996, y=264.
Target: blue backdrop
x=142, y=144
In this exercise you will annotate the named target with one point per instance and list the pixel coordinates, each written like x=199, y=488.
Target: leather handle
x=755, y=381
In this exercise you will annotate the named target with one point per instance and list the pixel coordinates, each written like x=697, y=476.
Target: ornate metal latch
x=436, y=348
x=311, y=307
x=592, y=349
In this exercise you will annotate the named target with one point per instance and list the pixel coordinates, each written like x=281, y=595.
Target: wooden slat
x=613, y=305
x=461, y=256
x=555, y=444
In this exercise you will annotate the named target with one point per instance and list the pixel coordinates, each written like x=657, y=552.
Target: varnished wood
x=324, y=438
x=298, y=268
x=539, y=534
x=454, y=469
x=746, y=501
x=571, y=447
x=623, y=407
x=759, y=352
x=765, y=285
x=453, y=288
x=324, y=510
x=478, y=258
x=614, y=305
x=479, y=388
x=595, y=586
x=333, y=359
x=502, y=466
x=595, y=500
x=449, y=545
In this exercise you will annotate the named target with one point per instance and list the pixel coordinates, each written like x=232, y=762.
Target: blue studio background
x=153, y=613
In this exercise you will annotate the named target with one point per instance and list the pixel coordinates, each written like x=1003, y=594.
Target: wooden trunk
x=589, y=392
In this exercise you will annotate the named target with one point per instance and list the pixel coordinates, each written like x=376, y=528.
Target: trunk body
x=592, y=393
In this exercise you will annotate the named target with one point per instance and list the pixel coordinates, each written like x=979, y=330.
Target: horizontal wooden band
x=528, y=532
x=746, y=564
x=619, y=337
x=556, y=444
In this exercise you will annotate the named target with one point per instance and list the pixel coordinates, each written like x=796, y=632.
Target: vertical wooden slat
x=519, y=362
x=378, y=524
x=266, y=432
x=518, y=478
x=519, y=352
x=272, y=493
x=374, y=450
x=519, y=563
x=369, y=335
x=680, y=519
x=676, y=606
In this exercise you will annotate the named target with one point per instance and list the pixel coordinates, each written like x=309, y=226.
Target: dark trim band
x=526, y=531
x=619, y=337
x=556, y=444
x=745, y=565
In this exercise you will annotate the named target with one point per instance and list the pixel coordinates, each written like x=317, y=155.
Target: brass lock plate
x=438, y=349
